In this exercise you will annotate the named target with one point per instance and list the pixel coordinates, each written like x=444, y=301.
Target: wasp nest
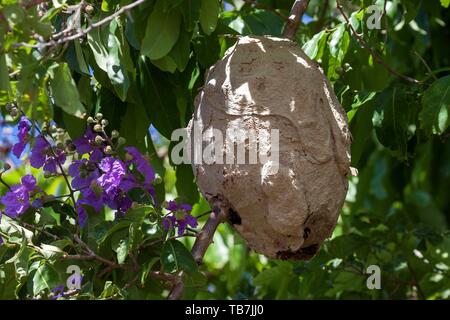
x=288, y=204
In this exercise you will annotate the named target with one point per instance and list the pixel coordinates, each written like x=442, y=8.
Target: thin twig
x=374, y=54
x=83, y=32
x=295, y=17
x=201, y=244
x=430, y=72
x=3, y=182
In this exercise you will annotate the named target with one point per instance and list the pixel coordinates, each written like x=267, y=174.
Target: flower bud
x=98, y=128
x=70, y=146
x=13, y=112
x=60, y=146
x=89, y=9
x=115, y=134
x=90, y=120
x=158, y=179
x=105, y=122
x=6, y=166
x=121, y=141
x=108, y=150
x=9, y=107
x=99, y=116
x=99, y=140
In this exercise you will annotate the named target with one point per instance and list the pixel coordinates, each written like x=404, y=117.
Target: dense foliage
x=90, y=92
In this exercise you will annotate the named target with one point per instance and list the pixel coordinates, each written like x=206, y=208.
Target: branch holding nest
x=201, y=244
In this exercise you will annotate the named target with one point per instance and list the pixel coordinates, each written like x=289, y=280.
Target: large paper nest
x=266, y=83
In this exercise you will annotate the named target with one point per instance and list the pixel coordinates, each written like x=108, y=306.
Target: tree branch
x=372, y=52
x=295, y=17
x=201, y=244
x=83, y=32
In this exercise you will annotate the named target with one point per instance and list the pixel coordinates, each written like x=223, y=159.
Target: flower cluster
x=179, y=217
x=98, y=176
x=17, y=200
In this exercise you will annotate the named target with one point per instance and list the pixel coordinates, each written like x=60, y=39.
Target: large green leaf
x=434, y=117
x=314, y=47
x=65, y=92
x=339, y=42
x=209, y=15
x=114, y=66
x=175, y=258
x=392, y=117
x=158, y=98
x=161, y=33
x=45, y=277
x=4, y=78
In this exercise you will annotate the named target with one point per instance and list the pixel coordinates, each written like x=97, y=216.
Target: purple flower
x=23, y=130
x=179, y=217
x=38, y=153
x=83, y=173
x=52, y=162
x=17, y=200
x=42, y=155
x=173, y=206
x=122, y=203
x=169, y=221
x=82, y=215
x=85, y=144
x=142, y=165
x=92, y=198
x=188, y=220
x=59, y=292
x=113, y=172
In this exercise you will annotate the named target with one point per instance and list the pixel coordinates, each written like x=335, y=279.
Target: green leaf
x=80, y=58
x=445, y=3
x=166, y=63
x=314, y=47
x=65, y=92
x=45, y=277
x=190, y=9
x=161, y=33
x=392, y=118
x=4, y=78
x=209, y=15
x=434, y=117
x=181, y=52
x=175, y=257
x=114, y=66
x=158, y=98
x=339, y=42
x=186, y=186
x=122, y=250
